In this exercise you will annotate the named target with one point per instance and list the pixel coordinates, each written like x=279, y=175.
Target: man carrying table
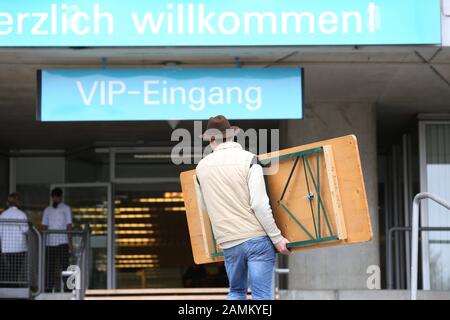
x=234, y=193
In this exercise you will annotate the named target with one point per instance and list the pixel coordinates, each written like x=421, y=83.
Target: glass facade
x=90, y=207
x=151, y=245
x=152, y=241
x=438, y=182
x=34, y=176
x=4, y=181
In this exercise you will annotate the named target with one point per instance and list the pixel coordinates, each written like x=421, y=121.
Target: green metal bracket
x=291, y=155
x=215, y=254
x=311, y=242
x=315, y=236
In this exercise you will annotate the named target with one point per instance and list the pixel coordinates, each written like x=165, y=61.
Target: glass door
x=152, y=240
x=152, y=244
x=91, y=205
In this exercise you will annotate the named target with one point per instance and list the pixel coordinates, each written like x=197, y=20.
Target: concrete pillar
x=340, y=267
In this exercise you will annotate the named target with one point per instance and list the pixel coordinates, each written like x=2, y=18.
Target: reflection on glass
x=152, y=242
x=89, y=207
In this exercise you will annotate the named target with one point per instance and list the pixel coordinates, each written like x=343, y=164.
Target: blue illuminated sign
x=218, y=23
x=169, y=94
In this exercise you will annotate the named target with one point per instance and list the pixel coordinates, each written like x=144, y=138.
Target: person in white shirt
x=14, y=243
x=57, y=219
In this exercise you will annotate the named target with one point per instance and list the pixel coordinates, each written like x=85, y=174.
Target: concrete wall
x=342, y=267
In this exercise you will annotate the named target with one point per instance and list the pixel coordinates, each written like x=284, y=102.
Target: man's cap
x=219, y=127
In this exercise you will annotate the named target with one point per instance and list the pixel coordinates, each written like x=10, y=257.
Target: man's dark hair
x=13, y=200
x=57, y=192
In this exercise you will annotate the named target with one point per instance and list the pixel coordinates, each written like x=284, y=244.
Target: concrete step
x=159, y=294
x=164, y=297
x=361, y=295
x=55, y=296
x=221, y=294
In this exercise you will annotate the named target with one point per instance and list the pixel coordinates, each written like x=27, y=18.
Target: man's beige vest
x=223, y=177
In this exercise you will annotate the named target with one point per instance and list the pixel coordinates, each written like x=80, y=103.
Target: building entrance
x=136, y=217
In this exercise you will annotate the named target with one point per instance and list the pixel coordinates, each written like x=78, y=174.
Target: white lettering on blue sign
x=175, y=94
x=157, y=92
x=213, y=23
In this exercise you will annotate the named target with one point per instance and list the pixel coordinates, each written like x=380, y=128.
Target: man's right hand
x=281, y=246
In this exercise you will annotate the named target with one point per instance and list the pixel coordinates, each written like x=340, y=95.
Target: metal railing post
x=390, y=280
x=276, y=273
x=40, y=262
x=43, y=252
x=84, y=266
x=415, y=236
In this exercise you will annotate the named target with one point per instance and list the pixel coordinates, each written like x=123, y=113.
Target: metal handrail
x=390, y=251
x=40, y=262
x=86, y=260
x=415, y=235
x=83, y=262
x=41, y=238
x=31, y=229
x=276, y=274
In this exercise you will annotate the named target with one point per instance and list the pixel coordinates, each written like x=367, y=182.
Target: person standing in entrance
x=14, y=244
x=235, y=197
x=57, y=218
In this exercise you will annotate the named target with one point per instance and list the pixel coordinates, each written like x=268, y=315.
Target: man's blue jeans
x=254, y=260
